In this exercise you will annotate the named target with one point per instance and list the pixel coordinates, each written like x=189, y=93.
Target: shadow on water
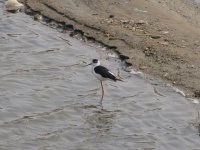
x=101, y=121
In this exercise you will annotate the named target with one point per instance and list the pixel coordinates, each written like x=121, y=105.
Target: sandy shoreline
x=161, y=37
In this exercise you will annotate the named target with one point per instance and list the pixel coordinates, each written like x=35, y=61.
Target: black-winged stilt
x=102, y=74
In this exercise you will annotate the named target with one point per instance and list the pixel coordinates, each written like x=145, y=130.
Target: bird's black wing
x=104, y=72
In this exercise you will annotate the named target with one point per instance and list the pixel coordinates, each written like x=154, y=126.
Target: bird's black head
x=95, y=61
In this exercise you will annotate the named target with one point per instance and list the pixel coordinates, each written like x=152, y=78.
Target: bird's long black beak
x=88, y=65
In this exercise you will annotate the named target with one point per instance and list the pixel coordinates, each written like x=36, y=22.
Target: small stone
x=124, y=21
x=165, y=32
x=155, y=36
x=37, y=17
x=123, y=57
x=133, y=29
x=183, y=41
x=128, y=69
x=140, y=22
x=195, y=101
x=164, y=43
x=143, y=67
x=111, y=16
x=166, y=74
x=197, y=93
x=110, y=21
x=13, y=6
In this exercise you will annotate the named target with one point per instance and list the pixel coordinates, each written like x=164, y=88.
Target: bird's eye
x=94, y=60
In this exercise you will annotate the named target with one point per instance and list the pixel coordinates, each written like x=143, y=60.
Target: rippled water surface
x=48, y=100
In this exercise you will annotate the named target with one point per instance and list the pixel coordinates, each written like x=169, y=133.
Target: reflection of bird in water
x=13, y=5
x=102, y=73
x=102, y=121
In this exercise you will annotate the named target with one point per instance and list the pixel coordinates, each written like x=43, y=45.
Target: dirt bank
x=161, y=37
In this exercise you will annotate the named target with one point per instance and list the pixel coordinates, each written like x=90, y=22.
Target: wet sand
x=160, y=37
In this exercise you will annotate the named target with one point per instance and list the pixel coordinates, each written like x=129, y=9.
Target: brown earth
x=161, y=37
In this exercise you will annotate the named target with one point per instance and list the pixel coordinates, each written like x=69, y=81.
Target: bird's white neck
x=96, y=64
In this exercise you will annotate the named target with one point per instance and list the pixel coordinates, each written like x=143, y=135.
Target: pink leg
x=102, y=92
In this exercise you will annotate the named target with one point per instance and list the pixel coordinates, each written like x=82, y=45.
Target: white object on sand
x=13, y=5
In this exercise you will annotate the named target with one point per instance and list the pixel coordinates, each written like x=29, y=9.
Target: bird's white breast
x=98, y=76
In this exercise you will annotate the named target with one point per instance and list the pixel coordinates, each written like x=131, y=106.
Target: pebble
x=155, y=36
x=123, y=57
x=111, y=16
x=141, y=22
x=195, y=101
x=37, y=17
x=124, y=21
x=143, y=67
x=166, y=74
x=13, y=5
x=133, y=29
x=165, y=32
x=164, y=43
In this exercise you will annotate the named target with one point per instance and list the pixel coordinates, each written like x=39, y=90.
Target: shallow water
x=48, y=100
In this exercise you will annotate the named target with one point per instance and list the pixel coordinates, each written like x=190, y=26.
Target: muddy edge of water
x=160, y=37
